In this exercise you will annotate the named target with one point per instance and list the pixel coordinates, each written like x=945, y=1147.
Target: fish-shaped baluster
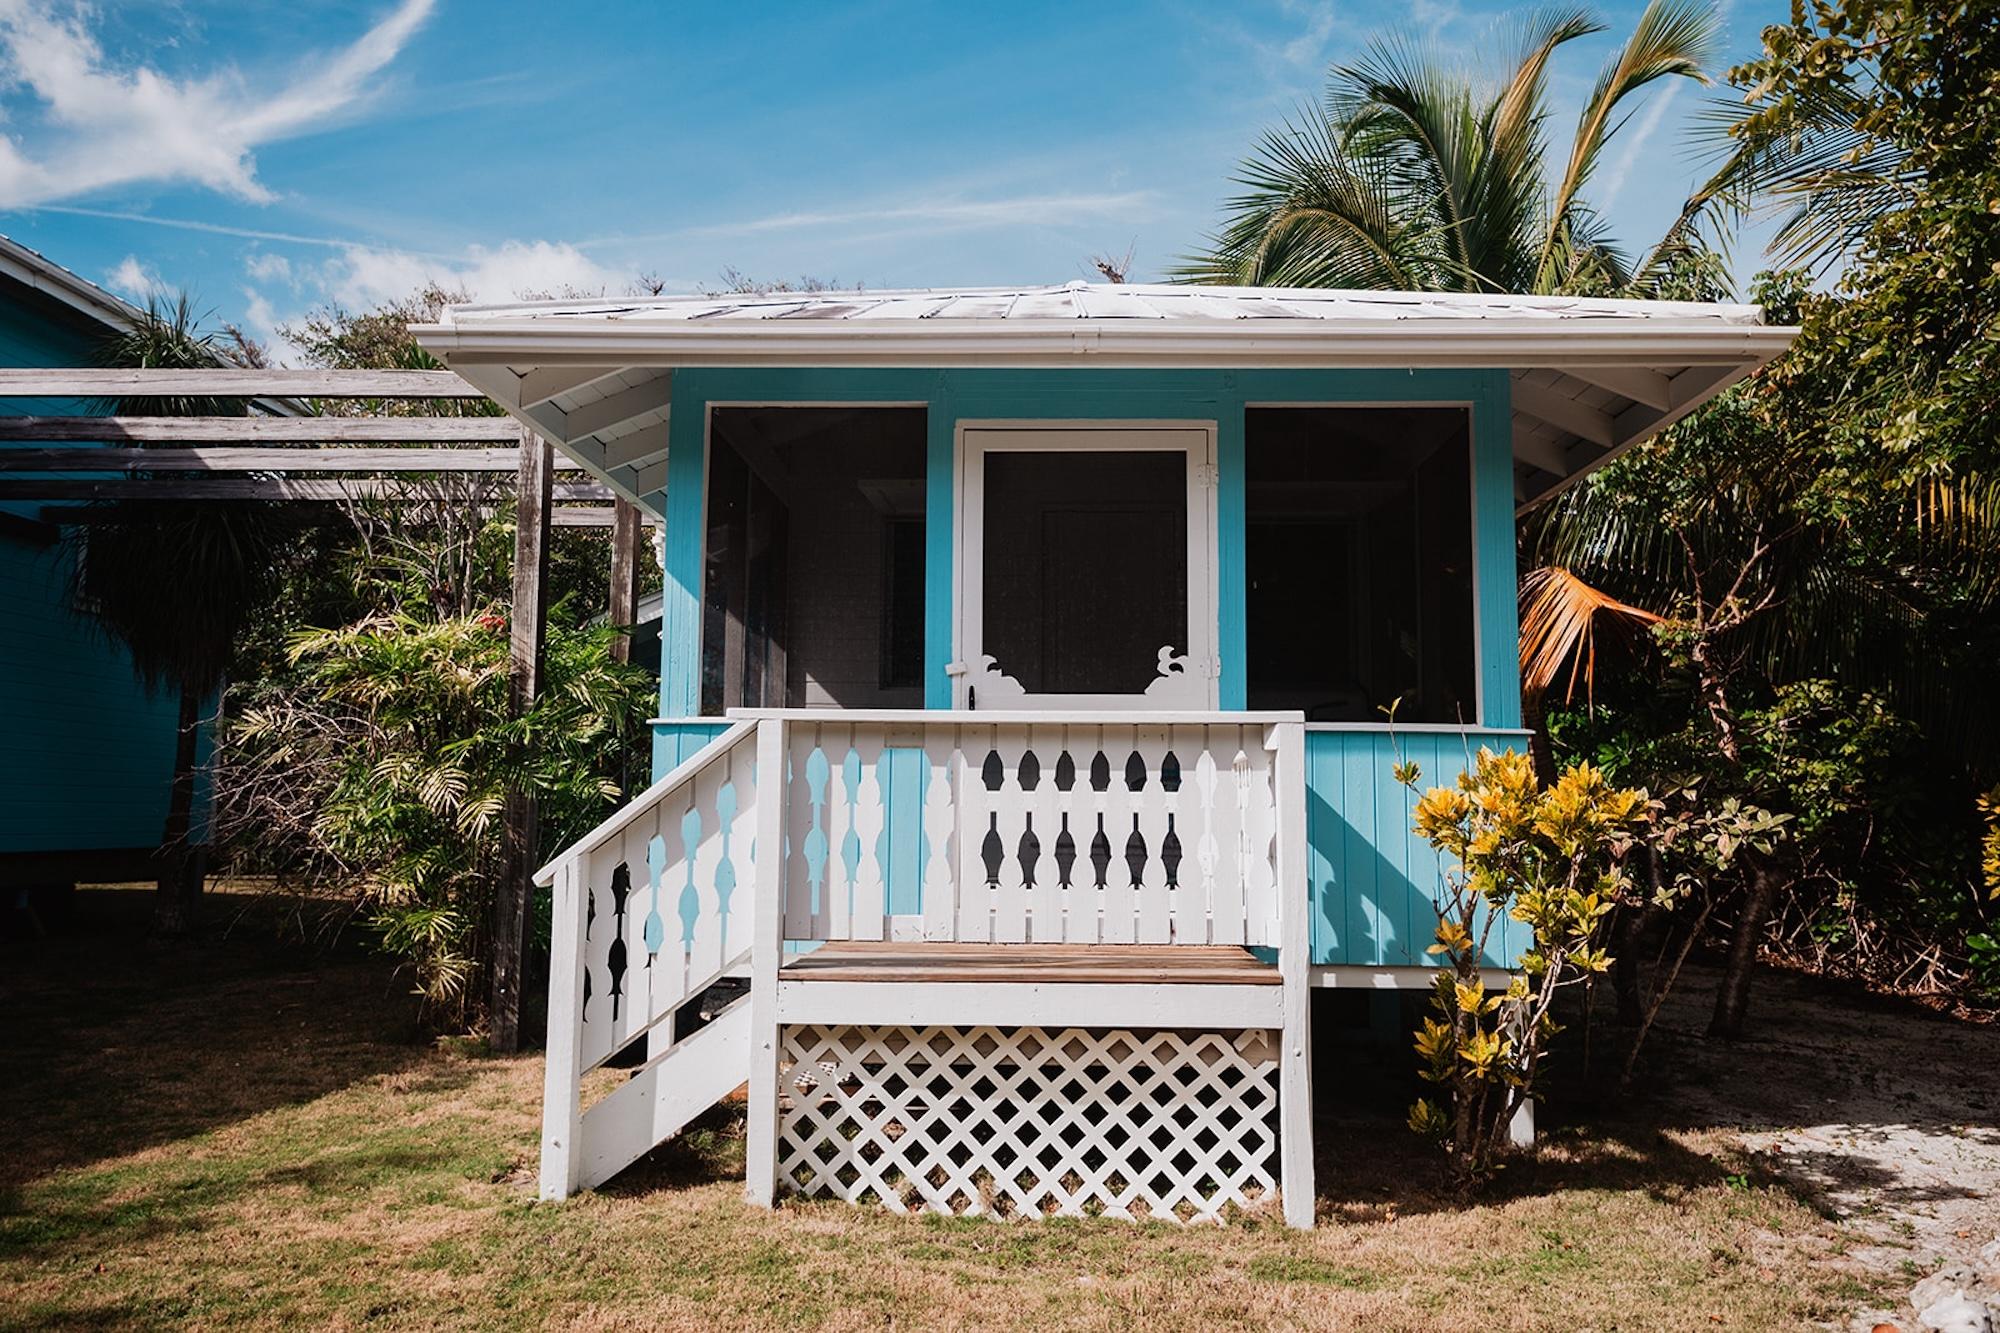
x=656, y=868
x=621, y=889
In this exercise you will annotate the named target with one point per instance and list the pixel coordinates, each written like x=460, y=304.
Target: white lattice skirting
x=1031, y=1121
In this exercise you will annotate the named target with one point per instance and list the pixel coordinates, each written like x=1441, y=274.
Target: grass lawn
x=246, y=1132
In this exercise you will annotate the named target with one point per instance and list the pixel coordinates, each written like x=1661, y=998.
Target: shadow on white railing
x=647, y=913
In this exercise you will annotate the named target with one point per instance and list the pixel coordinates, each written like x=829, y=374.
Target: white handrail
x=644, y=802
x=1017, y=717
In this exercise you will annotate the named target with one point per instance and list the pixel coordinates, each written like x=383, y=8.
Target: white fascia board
x=44, y=275
x=1031, y=1004
x=1399, y=344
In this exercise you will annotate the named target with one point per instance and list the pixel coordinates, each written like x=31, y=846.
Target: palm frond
x=1671, y=40
x=1813, y=159
x=174, y=581
x=1315, y=217
x=1562, y=621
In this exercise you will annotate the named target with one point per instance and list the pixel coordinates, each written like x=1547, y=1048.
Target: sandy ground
x=1885, y=1115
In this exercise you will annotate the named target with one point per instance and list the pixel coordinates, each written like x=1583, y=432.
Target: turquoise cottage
x=1025, y=662
x=89, y=749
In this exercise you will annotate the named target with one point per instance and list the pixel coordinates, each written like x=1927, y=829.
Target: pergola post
x=532, y=501
x=625, y=535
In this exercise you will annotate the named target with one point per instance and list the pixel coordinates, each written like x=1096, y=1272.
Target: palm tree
x=175, y=580
x=1415, y=176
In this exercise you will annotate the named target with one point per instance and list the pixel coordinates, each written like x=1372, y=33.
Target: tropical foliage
x=384, y=765
x=1415, y=175
x=1552, y=859
x=1823, y=545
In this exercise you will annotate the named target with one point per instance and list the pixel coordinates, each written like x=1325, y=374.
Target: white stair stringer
x=664, y=1094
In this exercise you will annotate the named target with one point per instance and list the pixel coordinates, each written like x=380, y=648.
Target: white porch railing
x=1020, y=829
x=938, y=826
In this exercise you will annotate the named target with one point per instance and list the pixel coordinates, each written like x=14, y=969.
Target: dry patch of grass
x=395, y=1189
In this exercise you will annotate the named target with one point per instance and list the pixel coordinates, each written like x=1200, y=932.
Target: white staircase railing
x=646, y=916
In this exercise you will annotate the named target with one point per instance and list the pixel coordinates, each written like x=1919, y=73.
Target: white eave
x=37, y=271
x=1591, y=378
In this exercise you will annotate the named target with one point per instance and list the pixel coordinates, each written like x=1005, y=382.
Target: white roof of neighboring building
x=33, y=269
x=1591, y=377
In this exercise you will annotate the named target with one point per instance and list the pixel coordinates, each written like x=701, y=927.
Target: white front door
x=1086, y=567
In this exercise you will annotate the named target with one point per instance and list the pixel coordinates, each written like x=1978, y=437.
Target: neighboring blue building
x=1026, y=665
x=86, y=750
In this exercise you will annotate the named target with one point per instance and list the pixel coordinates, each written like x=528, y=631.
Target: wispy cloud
x=213, y=228
x=937, y=215
x=279, y=292
x=94, y=126
x=1641, y=134
x=363, y=276
x=135, y=279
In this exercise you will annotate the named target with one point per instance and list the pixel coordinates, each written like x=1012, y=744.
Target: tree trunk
x=1732, y=997
x=1634, y=921
x=183, y=867
x=1539, y=749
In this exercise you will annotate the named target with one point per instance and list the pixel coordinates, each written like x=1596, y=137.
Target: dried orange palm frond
x=1561, y=616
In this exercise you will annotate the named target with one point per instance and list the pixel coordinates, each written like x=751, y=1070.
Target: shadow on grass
x=119, y=1042
x=709, y=1149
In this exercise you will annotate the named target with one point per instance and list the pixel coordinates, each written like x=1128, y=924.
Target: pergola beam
x=237, y=488
x=232, y=459
x=260, y=430
x=37, y=382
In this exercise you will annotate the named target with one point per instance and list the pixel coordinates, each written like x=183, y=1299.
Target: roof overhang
x=42, y=274
x=1590, y=379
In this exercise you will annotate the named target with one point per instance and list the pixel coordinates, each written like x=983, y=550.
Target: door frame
x=1203, y=592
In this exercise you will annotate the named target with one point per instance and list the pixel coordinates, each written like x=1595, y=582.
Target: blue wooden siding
x=88, y=751
x=1372, y=884
x=675, y=742
x=1373, y=881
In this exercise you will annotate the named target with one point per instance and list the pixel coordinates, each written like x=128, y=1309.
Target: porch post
x=562, y=1069
x=625, y=535
x=525, y=630
x=1295, y=1118
x=760, y=1140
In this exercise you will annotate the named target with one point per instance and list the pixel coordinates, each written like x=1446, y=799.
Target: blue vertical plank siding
x=674, y=743
x=1375, y=882
x=86, y=749
x=1372, y=882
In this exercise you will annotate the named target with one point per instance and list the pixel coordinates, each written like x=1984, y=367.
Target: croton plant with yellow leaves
x=1550, y=858
x=1989, y=865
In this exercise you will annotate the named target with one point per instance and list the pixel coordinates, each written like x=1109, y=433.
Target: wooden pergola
x=281, y=451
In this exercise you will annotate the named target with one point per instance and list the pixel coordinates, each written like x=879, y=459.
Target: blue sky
x=277, y=156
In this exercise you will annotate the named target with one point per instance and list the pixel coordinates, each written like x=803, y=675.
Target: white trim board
x=1206, y=1006
x=1350, y=976
x=976, y=439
